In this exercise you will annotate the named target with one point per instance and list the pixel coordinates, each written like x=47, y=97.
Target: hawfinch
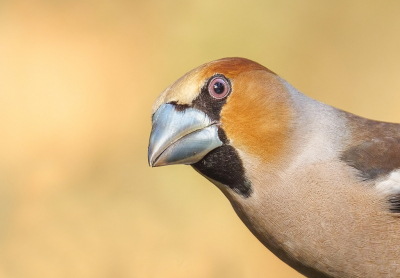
x=318, y=186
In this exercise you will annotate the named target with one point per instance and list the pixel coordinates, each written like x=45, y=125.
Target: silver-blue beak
x=181, y=136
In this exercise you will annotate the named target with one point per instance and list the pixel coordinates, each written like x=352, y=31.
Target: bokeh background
x=77, y=82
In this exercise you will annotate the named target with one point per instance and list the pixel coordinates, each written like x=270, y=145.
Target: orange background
x=77, y=82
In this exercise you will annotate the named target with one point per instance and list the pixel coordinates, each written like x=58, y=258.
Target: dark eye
x=219, y=88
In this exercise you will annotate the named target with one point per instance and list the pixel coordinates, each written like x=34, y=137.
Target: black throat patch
x=224, y=165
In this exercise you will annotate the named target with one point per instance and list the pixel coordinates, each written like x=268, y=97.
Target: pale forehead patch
x=182, y=91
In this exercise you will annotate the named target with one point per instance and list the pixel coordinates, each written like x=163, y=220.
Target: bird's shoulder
x=374, y=157
x=375, y=154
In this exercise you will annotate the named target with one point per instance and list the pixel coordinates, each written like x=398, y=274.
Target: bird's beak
x=181, y=136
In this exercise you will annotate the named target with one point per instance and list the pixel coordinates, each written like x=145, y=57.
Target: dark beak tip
x=149, y=158
x=152, y=162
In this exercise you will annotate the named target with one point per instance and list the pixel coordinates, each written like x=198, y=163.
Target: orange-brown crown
x=187, y=88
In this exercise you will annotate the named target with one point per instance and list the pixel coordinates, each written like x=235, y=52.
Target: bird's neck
x=319, y=132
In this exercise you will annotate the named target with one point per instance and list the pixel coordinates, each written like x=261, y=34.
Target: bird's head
x=218, y=114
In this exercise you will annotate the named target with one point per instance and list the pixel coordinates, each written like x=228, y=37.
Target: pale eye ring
x=219, y=88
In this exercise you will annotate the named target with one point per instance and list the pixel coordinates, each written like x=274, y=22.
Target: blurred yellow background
x=77, y=82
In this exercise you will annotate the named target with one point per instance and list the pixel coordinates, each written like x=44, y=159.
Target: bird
x=316, y=185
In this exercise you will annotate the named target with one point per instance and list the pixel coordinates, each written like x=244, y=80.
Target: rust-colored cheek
x=257, y=115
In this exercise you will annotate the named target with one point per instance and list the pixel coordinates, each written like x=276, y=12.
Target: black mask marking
x=209, y=105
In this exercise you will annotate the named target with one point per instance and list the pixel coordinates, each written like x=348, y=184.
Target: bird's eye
x=218, y=88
